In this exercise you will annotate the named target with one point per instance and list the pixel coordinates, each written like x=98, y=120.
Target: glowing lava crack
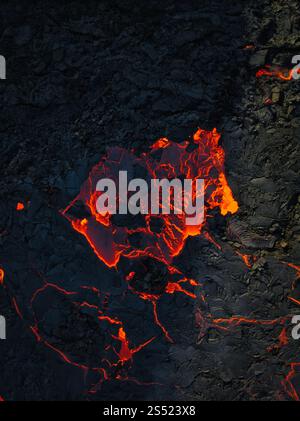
x=149, y=243
x=200, y=158
x=160, y=238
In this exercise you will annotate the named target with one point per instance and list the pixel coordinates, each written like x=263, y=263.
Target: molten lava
x=1, y=276
x=248, y=259
x=199, y=158
x=284, y=75
x=20, y=206
x=126, y=353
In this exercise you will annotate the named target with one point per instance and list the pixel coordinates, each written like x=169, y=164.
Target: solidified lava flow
x=152, y=242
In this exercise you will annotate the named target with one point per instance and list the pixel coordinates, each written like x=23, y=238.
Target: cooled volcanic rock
x=103, y=74
x=240, y=232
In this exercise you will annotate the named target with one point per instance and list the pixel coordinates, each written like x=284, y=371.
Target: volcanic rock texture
x=82, y=76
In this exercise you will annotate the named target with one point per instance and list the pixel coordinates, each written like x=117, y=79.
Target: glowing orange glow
x=249, y=47
x=268, y=101
x=111, y=320
x=283, y=338
x=130, y=276
x=293, y=266
x=64, y=357
x=17, y=308
x=1, y=276
x=157, y=321
x=228, y=204
x=280, y=74
x=20, y=206
x=35, y=331
x=109, y=242
x=294, y=300
x=248, y=259
x=287, y=382
x=161, y=143
x=51, y=285
x=236, y=321
x=210, y=238
x=126, y=353
x=177, y=287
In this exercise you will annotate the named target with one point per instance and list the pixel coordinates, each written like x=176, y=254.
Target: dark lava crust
x=85, y=75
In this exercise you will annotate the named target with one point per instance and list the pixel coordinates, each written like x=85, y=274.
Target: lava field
x=146, y=307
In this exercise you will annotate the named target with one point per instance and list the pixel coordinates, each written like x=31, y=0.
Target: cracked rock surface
x=84, y=76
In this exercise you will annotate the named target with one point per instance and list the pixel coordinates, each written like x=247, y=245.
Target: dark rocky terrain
x=82, y=76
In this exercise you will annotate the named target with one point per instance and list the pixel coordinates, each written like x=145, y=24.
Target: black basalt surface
x=82, y=76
